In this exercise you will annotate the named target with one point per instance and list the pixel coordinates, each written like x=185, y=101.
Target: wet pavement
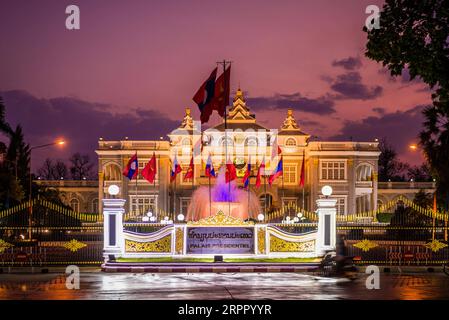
x=98, y=285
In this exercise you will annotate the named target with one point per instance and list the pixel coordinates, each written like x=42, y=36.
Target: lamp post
x=30, y=217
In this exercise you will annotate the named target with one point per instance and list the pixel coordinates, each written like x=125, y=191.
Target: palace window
x=268, y=199
x=142, y=204
x=95, y=206
x=184, y=205
x=290, y=142
x=289, y=174
x=75, y=204
x=289, y=202
x=341, y=205
x=333, y=170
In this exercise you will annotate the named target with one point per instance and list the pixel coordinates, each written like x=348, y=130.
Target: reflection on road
x=97, y=285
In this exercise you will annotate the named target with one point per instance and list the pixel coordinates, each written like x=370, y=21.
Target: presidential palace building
x=349, y=167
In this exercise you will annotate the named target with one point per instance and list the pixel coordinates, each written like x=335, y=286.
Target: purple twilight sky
x=134, y=66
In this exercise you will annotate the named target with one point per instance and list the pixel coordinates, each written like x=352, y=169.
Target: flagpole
x=154, y=186
x=226, y=87
x=137, y=177
x=283, y=194
x=265, y=191
x=303, y=185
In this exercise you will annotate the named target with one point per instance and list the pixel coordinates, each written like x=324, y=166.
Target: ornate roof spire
x=239, y=110
x=290, y=122
x=187, y=122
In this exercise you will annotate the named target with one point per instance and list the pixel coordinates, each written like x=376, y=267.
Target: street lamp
x=30, y=220
x=413, y=147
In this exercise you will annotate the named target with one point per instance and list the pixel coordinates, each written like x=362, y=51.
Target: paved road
x=97, y=285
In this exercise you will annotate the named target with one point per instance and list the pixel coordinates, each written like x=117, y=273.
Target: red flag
x=221, y=93
x=231, y=172
x=190, y=172
x=303, y=176
x=205, y=95
x=149, y=172
x=260, y=173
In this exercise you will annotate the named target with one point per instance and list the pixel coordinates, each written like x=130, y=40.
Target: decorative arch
x=112, y=171
x=75, y=204
x=95, y=205
x=290, y=142
x=251, y=142
x=364, y=171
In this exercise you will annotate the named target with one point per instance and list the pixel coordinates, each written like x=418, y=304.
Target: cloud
x=349, y=86
x=320, y=105
x=80, y=122
x=379, y=110
x=349, y=63
x=399, y=128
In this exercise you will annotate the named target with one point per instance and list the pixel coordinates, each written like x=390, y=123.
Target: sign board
x=220, y=240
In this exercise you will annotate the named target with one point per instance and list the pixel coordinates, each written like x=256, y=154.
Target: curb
x=197, y=268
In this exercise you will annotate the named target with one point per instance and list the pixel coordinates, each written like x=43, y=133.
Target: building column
x=100, y=191
x=352, y=198
x=327, y=225
x=113, y=245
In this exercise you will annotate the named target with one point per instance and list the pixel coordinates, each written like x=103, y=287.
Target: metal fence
x=41, y=233
x=399, y=233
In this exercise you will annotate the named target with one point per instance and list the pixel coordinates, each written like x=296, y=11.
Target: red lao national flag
x=149, y=172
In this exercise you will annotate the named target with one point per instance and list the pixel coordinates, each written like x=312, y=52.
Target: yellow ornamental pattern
x=365, y=245
x=4, y=245
x=74, y=245
x=261, y=240
x=161, y=245
x=281, y=245
x=435, y=245
x=179, y=244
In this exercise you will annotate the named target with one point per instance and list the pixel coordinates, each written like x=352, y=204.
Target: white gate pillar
x=113, y=210
x=327, y=222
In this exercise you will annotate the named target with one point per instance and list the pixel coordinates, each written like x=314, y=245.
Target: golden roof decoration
x=187, y=122
x=220, y=219
x=290, y=122
x=239, y=110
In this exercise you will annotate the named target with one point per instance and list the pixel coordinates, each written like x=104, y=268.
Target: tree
x=4, y=126
x=420, y=173
x=53, y=170
x=81, y=167
x=18, y=158
x=46, y=171
x=390, y=167
x=413, y=36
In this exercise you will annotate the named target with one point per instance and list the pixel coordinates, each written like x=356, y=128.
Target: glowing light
x=149, y=214
x=326, y=191
x=260, y=217
x=113, y=190
x=145, y=219
x=181, y=217
x=413, y=147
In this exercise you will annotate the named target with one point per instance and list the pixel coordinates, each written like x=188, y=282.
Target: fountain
x=226, y=197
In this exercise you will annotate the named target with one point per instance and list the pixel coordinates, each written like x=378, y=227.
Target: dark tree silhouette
x=414, y=37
